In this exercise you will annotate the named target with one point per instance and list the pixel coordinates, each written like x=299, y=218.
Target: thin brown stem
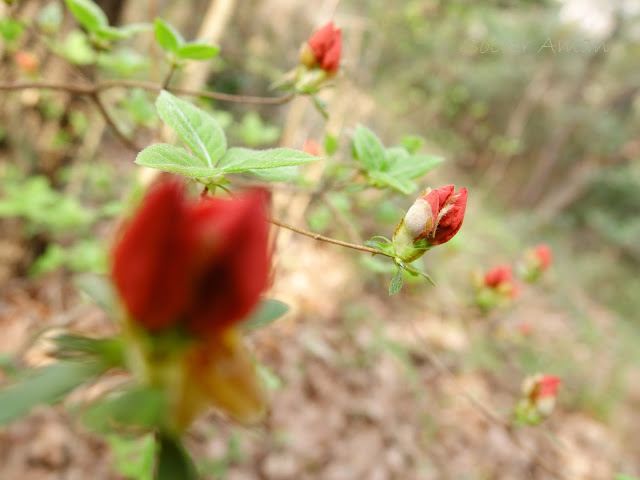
x=167, y=79
x=322, y=238
x=108, y=84
x=130, y=144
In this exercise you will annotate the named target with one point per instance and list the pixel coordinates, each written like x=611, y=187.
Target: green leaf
x=45, y=385
x=278, y=174
x=88, y=14
x=268, y=311
x=133, y=457
x=141, y=407
x=415, y=271
x=622, y=476
x=197, y=51
x=98, y=288
x=110, y=351
x=10, y=29
x=175, y=160
x=254, y=132
x=412, y=143
x=77, y=48
x=368, y=149
x=413, y=166
x=396, y=282
x=174, y=461
x=167, y=36
x=243, y=159
x=320, y=105
x=269, y=378
x=331, y=144
x=383, y=179
x=196, y=128
x=120, y=33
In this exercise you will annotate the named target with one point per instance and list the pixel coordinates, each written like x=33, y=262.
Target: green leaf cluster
x=208, y=156
x=95, y=21
x=393, y=167
x=44, y=208
x=172, y=42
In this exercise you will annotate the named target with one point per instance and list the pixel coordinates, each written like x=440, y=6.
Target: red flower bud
x=498, y=275
x=201, y=264
x=27, y=61
x=548, y=386
x=435, y=217
x=326, y=46
x=539, y=394
x=544, y=255
x=450, y=214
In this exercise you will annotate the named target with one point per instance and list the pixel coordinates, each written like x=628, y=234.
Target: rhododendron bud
x=311, y=147
x=498, y=275
x=27, y=61
x=539, y=394
x=187, y=272
x=199, y=264
x=544, y=256
x=323, y=49
x=536, y=261
x=434, y=218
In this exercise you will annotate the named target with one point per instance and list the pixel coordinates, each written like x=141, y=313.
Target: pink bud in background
x=544, y=255
x=311, y=147
x=540, y=392
x=499, y=274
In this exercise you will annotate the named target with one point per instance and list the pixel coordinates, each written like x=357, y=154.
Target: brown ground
x=359, y=397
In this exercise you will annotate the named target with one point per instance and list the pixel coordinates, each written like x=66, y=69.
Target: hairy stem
x=322, y=238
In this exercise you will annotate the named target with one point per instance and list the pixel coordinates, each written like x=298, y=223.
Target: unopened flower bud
x=434, y=218
x=536, y=261
x=27, y=61
x=323, y=49
x=311, y=147
x=498, y=275
x=539, y=394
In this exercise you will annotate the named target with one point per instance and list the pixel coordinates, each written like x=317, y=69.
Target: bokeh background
x=534, y=104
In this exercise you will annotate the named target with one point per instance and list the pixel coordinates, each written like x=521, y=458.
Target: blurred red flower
x=198, y=264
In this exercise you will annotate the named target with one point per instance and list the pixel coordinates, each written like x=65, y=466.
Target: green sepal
x=267, y=312
x=413, y=270
x=381, y=243
x=396, y=282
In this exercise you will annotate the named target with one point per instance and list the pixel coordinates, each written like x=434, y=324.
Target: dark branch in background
x=108, y=84
x=130, y=144
x=93, y=90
